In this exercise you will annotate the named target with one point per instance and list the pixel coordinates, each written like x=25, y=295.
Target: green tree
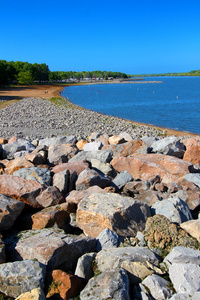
x=25, y=77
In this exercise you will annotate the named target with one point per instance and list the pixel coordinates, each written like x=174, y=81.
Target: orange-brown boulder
x=115, y=140
x=146, y=166
x=77, y=166
x=21, y=189
x=192, y=153
x=3, y=141
x=16, y=164
x=81, y=143
x=128, y=148
x=35, y=158
x=63, y=284
x=50, y=196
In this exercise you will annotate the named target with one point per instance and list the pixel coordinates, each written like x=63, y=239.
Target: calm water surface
x=175, y=103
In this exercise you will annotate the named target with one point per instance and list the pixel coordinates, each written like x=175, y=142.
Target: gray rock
x=175, y=209
x=1, y=151
x=11, y=148
x=112, y=284
x=71, y=139
x=114, y=258
x=169, y=146
x=61, y=181
x=10, y=209
x=195, y=178
x=84, y=268
x=41, y=175
x=158, y=287
x=20, y=153
x=61, y=153
x=104, y=168
x=21, y=276
x=105, y=156
x=121, y=179
x=183, y=255
x=141, y=239
x=50, y=246
x=93, y=146
x=149, y=140
x=107, y=239
x=126, y=136
x=185, y=277
x=186, y=296
x=88, y=178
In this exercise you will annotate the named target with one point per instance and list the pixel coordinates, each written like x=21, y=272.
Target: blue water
x=174, y=104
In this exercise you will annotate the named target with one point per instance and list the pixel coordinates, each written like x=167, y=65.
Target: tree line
x=191, y=73
x=26, y=73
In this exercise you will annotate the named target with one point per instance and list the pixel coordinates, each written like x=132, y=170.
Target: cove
x=174, y=103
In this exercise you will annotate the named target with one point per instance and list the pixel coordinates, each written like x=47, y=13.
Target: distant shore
x=13, y=94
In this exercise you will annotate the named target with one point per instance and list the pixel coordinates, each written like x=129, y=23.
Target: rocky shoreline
x=39, y=118
x=110, y=216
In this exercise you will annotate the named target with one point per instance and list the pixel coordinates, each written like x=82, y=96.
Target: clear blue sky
x=127, y=36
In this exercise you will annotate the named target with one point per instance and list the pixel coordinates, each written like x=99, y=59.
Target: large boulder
x=104, y=156
x=42, y=175
x=50, y=196
x=193, y=228
x=128, y=148
x=192, y=153
x=89, y=177
x=158, y=287
x=10, y=209
x=183, y=255
x=16, y=164
x=146, y=166
x=21, y=189
x=77, y=166
x=112, y=284
x=70, y=139
x=123, y=215
x=50, y=246
x=21, y=276
x=21, y=144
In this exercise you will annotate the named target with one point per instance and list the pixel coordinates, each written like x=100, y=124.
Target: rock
x=20, y=277
x=150, y=197
x=185, y=277
x=84, y=268
x=88, y=178
x=61, y=153
x=10, y=209
x=193, y=228
x=77, y=166
x=146, y=166
x=186, y=296
x=195, y=178
x=50, y=246
x=63, y=284
x=192, y=153
x=126, y=136
x=121, y=179
x=175, y=209
x=2, y=251
x=81, y=143
x=158, y=286
x=115, y=257
x=50, y=216
x=104, y=156
x=94, y=136
x=50, y=196
x=161, y=233
x=71, y=139
x=116, y=283
x=11, y=148
x=191, y=197
x=183, y=255
x=16, y=164
x=128, y=148
x=107, y=239
x=123, y=215
x=21, y=189
x=3, y=141
x=140, y=292
x=41, y=175
x=169, y=146
x=104, y=168
x=93, y=146
x=149, y=140
x=61, y=181
x=35, y=294
x=115, y=140
x=74, y=197
x=35, y=158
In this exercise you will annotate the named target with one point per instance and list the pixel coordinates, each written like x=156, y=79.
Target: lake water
x=174, y=104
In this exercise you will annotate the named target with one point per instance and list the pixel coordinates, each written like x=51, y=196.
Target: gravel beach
x=39, y=118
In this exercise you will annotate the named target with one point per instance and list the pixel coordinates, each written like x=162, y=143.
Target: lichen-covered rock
x=61, y=153
x=50, y=196
x=35, y=294
x=21, y=276
x=88, y=178
x=161, y=233
x=42, y=175
x=17, y=164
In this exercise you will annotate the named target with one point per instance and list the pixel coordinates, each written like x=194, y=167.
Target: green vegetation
x=191, y=73
x=26, y=73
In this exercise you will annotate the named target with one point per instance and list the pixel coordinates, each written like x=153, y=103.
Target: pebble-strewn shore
x=38, y=118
